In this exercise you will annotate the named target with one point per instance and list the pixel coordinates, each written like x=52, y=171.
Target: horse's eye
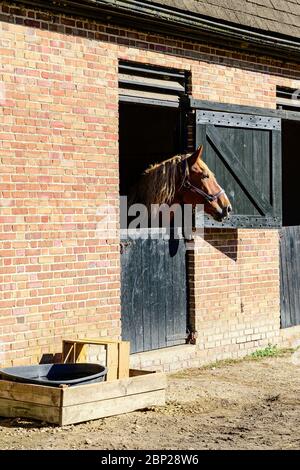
x=204, y=177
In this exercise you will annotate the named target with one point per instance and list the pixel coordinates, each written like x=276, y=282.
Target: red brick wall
x=237, y=294
x=59, y=273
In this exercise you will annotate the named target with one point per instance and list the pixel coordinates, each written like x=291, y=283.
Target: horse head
x=201, y=187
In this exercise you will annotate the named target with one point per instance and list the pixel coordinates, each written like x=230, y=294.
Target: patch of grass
x=269, y=351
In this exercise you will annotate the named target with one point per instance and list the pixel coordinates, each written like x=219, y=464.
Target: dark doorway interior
x=148, y=134
x=290, y=173
x=154, y=275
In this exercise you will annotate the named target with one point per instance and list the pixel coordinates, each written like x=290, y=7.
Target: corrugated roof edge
x=146, y=16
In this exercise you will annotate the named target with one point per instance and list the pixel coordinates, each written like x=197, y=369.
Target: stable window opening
x=151, y=118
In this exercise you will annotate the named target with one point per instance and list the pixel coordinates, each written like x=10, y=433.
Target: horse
x=183, y=179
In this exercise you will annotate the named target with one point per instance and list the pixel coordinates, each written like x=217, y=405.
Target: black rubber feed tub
x=55, y=375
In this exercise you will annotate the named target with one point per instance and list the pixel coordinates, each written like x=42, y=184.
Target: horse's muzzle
x=225, y=213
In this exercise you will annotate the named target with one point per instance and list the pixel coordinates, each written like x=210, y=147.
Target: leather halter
x=188, y=185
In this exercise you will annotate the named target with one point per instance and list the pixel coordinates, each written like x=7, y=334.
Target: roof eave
x=145, y=16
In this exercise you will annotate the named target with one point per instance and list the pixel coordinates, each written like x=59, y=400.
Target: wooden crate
x=117, y=354
x=70, y=405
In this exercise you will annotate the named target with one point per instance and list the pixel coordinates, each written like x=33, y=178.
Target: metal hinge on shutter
x=145, y=84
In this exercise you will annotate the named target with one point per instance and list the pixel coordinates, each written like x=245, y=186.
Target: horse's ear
x=199, y=151
x=196, y=155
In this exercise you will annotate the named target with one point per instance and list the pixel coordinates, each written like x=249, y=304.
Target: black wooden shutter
x=244, y=151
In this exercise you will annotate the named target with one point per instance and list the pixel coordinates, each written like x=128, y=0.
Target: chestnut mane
x=159, y=183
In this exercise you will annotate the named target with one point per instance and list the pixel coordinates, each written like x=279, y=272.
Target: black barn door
x=290, y=233
x=244, y=151
x=290, y=276
x=154, y=293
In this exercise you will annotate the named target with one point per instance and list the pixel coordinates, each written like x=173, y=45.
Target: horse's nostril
x=229, y=209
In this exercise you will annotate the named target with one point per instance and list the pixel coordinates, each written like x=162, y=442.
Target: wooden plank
x=147, y=293
x=112, y=361
x=277, y=172
x=182, y=287
x=83, y=402
x=117, y=354
x=286, y=319
x=133, y=68
x=288, y=286
x=237, y=169
x=100, y=341
x=297, y=263
x=288, y=274
x=161, y=293
x=228, y=107
x=288, y=102
x=148, y=101
x=169, y=299
x=287, y=314
x=126, y=293
x=284, y=309
x=148, y=95
x=135, y=307
x=138, y=372
x=67, y=352
x=245, y=221
x=20, y=409
x=295, y=253
x=296, y=273
x=118, y=388
x=74, y=351
x=154, y=307
x=82, y=353
x=225, y=177
x=264, y=165
x=177, y=294
x=242, y=144
x=291, y=273
x=201, y=140
x=146, y=301
x=229, y=119
x=100, y=409
x=36, y=394
x=146, y=82
x=123, y=363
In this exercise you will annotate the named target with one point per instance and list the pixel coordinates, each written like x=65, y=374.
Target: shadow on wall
x=225, y=241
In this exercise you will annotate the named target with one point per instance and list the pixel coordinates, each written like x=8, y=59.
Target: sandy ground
x=249, y=405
